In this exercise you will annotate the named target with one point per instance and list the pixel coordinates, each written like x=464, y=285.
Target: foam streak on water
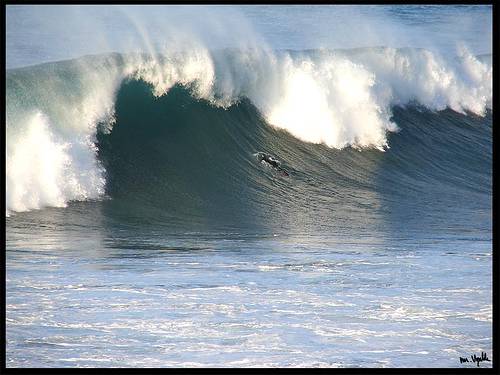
x=248, y=302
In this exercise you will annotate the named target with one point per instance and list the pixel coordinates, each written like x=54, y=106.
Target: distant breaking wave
x=59, y=114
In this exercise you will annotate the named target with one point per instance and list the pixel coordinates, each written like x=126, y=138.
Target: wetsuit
x=274, y=163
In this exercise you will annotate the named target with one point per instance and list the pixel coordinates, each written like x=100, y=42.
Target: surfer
x=269, y=160
x=272, y=162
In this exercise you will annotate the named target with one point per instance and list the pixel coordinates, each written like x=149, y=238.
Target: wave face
x=176, y=133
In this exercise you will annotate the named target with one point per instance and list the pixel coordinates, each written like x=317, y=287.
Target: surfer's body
x=270, y=161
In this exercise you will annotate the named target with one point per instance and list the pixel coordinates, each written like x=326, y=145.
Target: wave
x=70, y=132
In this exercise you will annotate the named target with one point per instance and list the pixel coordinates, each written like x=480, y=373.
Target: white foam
x=45, y=170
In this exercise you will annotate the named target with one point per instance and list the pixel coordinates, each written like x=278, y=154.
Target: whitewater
x=142, y=229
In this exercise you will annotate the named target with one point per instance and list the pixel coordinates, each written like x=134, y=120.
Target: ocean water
x=143, y=230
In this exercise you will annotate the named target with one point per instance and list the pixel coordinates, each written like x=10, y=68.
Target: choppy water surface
x=235, y=300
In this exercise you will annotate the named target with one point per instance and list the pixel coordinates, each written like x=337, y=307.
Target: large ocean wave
x=110, y=125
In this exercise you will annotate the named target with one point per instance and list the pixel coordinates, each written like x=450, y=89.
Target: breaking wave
x=78, y=129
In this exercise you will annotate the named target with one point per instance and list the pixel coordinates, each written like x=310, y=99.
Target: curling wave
x=70, y=135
